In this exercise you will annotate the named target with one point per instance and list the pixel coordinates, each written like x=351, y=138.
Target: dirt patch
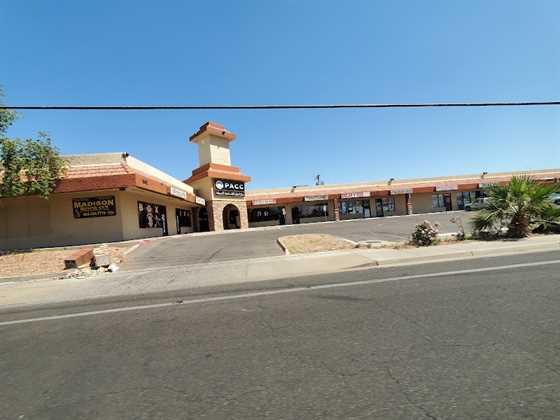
x=303, y=244
x=45, y=261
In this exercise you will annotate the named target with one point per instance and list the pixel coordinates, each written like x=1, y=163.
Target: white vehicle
x=479, y=203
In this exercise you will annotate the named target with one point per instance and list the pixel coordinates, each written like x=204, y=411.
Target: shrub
x=425, y=233
x=517, y=209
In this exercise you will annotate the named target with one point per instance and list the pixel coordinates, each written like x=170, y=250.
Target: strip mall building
x=113, y=196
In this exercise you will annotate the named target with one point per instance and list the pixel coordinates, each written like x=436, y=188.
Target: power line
x=272, y=107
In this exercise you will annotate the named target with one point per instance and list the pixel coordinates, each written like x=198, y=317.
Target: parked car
x=555, y=198
x=477, y=204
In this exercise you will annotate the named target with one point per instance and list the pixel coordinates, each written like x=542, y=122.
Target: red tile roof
x=109, y=171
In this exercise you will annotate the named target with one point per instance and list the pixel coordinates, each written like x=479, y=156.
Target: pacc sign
x=228, y=188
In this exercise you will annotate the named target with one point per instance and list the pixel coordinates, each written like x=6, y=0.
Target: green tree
x=518, y=207
x=31, y=166
x=7, y=117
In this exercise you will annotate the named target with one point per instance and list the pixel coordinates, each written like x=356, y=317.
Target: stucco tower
x=219, y=183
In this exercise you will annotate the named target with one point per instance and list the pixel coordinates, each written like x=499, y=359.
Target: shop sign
x=447, y=187
x=401, y=191
x=200, y=200
x=228, y=188
x=315, y=198
x=178, y=192
x=94, y=207
x=355, y=195
x=486, y=184
x=264, y=202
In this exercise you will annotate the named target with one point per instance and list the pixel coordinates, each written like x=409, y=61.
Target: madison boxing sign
x=94, y=207
x=228, y=188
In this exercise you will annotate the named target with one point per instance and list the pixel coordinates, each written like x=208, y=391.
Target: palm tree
x=518, y=207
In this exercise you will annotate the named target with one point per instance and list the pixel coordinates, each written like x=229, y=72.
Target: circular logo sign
x=219, y=185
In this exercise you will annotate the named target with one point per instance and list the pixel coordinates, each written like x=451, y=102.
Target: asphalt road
x=478, y=344
x=262, y=243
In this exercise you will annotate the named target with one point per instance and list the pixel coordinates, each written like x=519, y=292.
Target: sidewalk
x=223, y=273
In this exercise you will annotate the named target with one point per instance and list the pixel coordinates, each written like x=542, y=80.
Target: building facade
x=113, y=197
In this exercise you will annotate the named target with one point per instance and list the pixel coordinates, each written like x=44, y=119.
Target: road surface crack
x=407, y=397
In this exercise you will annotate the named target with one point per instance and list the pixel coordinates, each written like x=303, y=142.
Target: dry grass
x=304, y=244
x=29, y=263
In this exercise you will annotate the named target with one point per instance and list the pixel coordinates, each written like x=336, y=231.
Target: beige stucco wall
x=143, y=167
x=30, y=222
x=422, y=203
x=213, y=149
x=204, y=188
x=400, y=205
x=27, y=222
x=454, y=200
x=288, y=208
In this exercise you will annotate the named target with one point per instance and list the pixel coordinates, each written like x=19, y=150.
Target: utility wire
x=259, y=107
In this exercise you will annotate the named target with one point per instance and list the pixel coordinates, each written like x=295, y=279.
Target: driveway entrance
x=193, y=249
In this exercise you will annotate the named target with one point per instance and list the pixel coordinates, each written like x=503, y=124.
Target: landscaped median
x=313, y=242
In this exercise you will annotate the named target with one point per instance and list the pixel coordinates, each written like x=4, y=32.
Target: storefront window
x=183, y=218
x=266, y=214
x=388, y=206
x=437, y=201
x=152, y=216
x=313, y=210
x=355, y=208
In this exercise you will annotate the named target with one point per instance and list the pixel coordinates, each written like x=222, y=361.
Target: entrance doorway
x=295, y=215
x=203, y=225
x=231, y=217
x=379, y=207
x=447, y=201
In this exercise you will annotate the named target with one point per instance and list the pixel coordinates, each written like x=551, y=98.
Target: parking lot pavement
x=187, y=249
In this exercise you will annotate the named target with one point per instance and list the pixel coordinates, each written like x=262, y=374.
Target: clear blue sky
x=239, y=52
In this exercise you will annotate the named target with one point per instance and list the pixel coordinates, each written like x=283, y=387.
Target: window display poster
x=151, y=216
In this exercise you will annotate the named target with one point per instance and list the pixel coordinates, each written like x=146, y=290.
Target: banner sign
x=225, y=187
x=355, y=195
x=315, y=198
x=178, y=192
x=200, y=200
x=263, y=202
x=401, y=191
x=447, y=187
x=94, y=207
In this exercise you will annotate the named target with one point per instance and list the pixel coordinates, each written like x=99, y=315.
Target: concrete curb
x=459, y=255
x=295, y=265
x=237, y=272
x=367, y=254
